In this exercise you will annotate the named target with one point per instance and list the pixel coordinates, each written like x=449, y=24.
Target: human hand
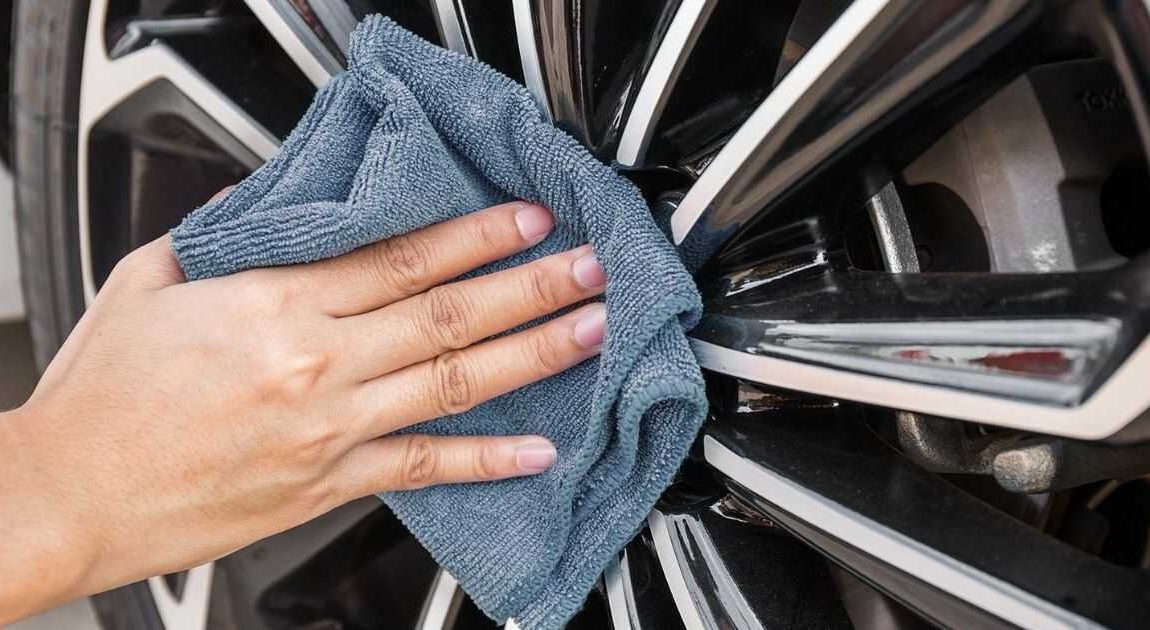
x=193, y=418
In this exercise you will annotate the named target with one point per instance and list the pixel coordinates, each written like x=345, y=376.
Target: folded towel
x=413, y=134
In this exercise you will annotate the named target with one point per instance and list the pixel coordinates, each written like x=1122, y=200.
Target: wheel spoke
x=704, y=591
x=872, y=60
x=107, y=83
x=660, y=78
x=589, y=87
x=451, y=20
x=834, y=483
x=188, y=611
x=529, y=53
x=1031, y=351
x=561, y=64
x=337, y=19
x=638, y=596
x=620, y=595
x=298, y=39
x=110, y=82
x=442, y=605
x=1045, y=338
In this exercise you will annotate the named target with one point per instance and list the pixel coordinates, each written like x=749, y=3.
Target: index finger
x=388, y=271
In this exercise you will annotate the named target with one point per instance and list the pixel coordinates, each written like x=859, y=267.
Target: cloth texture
x=412, y=134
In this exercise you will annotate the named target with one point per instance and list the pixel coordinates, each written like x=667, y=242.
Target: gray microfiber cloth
x=411, y=135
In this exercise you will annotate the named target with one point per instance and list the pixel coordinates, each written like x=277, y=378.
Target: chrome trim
x=660, y=77
x=190, y=611
x=529, y=54
x=442, y=603
x=452, y=28
x=996, y=597
x=106, y=83
x=297, y=40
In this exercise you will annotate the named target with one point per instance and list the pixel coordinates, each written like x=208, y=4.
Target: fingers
x=459, y=380
x=454, y=316
x=402, y=266
x=407, y=462
x=153, y=265
x=224, y=192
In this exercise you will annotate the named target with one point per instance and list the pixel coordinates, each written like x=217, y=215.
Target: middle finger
x=457, y=381
x=454, y=316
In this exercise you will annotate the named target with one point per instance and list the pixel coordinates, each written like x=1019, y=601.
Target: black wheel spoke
x=878, y=57
x=716, y=562
x=659, y=77
x=1049, y=338
x=306, y=41
x=605, y=69
x=831, y=481
x=454, y=29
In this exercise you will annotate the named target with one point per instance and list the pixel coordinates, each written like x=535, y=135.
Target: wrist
x=48, y=551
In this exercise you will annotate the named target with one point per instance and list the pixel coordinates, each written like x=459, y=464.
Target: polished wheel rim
x=786, y=148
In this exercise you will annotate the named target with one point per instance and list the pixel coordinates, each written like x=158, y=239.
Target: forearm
x=43, y=559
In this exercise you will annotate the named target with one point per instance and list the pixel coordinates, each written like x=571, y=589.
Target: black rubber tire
x=47, y=47
x=46, y=62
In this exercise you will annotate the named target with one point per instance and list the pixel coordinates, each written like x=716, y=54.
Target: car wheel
x=920, y=230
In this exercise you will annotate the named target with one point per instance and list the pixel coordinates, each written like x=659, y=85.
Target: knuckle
x=540, y=288
x=283, y=295
x=128, y=268
x=420, y=462
x=490, y=230
x=318, y=497
x=315, y=446
x=447, y=317
x=291, y=377
x=259, y=298
x=546, y=353
x=315, y=496
x=401, y=262
x=127, y=264
x=454, y=383
x=488, y=463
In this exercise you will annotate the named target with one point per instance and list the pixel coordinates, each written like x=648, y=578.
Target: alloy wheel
x=920, y=232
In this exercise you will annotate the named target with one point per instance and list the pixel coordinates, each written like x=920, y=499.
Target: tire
x=47, y=60
x=46, y=81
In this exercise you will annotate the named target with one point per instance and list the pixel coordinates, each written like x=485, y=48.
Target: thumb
x=159, y=267
x=155, y=265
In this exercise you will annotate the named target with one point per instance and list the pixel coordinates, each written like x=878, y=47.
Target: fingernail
x=591, y=327
x=535, y=456
x=588, y=272
x=534, y=223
